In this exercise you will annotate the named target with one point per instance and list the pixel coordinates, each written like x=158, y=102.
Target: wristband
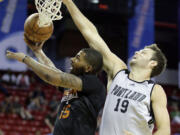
x=24, y=58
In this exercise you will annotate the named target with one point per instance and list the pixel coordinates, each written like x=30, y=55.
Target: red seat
x=13, y=116
x=11, y=121
x=30, y=129
x=39, y=117
x=37, y=123
x=5, y=127
x=2, y=115
x=28, y=133
x=12, y=133
x=14, y=125
x=23, y=122
x=45, y=130
x=17, y=128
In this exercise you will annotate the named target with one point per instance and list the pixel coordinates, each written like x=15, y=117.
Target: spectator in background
x=33, y=102
x=175, y=113
x=32, y=80
x=29, y=98
x=51, y=118
x=38, y=132
x=6, y=105
x=53, y=103
x=174, y=97
x=20, y=110
x=1, y=132
x=9, y=78
x=177, y=132
x=4, y=90
x=23, y=81
x=38, y=101
x=38, y=93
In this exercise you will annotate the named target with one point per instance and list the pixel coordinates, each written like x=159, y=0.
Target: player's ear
x=153, y=63
x=88, y=68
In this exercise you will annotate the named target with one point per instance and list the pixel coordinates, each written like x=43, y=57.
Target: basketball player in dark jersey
x=81, y=103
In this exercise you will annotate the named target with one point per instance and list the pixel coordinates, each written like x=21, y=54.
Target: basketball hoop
x=48, y=10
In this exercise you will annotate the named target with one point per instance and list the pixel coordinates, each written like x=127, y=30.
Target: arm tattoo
x=47, y=77
x=70, y=81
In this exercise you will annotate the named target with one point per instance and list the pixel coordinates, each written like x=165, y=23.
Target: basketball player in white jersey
x=134, y=102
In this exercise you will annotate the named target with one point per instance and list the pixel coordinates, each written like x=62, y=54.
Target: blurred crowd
x=36, y=101
x=174, y=109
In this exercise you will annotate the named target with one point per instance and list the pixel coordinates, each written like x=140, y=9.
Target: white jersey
x=128, y=107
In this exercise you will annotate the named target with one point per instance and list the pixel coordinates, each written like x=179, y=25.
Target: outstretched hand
x=17, y=56
x=33, y=45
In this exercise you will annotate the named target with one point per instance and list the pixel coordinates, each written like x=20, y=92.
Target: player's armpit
x=113, y=64
x=159, y=105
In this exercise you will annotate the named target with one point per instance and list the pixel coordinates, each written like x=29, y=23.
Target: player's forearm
x=46, y=73
x=43, y=59
x=87, y=29
x=52, y=76
x=79, y=19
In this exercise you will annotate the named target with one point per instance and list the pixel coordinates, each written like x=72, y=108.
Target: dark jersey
x=78, y=113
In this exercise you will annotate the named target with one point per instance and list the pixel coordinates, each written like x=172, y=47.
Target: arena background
x=126, y=26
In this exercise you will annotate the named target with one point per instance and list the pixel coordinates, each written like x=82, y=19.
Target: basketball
x=35, y=33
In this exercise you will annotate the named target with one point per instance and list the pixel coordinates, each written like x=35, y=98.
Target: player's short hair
x=160, y=58
x=93, y=58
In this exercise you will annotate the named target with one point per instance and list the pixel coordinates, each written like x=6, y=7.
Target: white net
x=48, y=10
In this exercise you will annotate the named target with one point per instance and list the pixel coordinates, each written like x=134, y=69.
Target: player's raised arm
x=159, y=106
x=37, y=50
x=111, y=63
x=49, y=75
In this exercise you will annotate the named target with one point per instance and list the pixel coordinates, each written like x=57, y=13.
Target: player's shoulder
x=121, y=72
x=158, y=91
x=89, y=76
x=91, y=79
x=158, y=88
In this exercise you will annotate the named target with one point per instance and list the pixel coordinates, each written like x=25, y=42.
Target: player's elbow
x=89, y=32
x=50, y=79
